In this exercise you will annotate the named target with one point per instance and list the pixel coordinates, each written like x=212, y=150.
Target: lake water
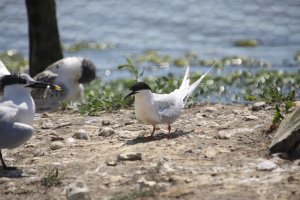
x=208, y=28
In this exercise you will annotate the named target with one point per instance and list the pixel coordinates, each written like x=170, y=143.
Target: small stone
x=32, y=171
x=251, y=117
x=266, y=165
x=81, y=135
x=223, y=135
x=116, y=178
x=78, y=191
x=210, y=152
x=4, y=180
x=129, y=123
x=210, y=109
x=163, y=167
x=143, y=182
x=258, y=106
x=105, y=122
x=111, y=163
x=56, y=145
x=131, y=156
x=125, y=135
x=105, y=132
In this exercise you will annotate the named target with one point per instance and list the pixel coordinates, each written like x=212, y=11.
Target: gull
x=17, y=110
x=70, y=74
x=152, y=108
x=3, y=69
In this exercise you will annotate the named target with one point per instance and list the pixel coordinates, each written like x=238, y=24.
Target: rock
x=78, y=191
x=287, y=137
x=266, y=165
x=111, y=163
x=56, y=145
x=210, y=109
x=225, y=134
x=105, y=132
x=125, y=135
x=81, y=135
x=163, y=167
x=258, y=106
x=115, y=179
x=32, y=171
x=131, y=156
x=251, y=117
x=129, y=123
x=143, y=182
x=210, y=152
x=105, y=122
x=4, y=180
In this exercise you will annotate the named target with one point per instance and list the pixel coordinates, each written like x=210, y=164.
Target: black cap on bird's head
x=25, y=80
x=88, y=71
x=137, y=87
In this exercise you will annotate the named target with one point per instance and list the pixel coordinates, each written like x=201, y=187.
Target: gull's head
x=24, y=81
x=139, y=88
x=81, y=70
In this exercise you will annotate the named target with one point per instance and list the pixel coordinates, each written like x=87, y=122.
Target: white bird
x=153, y=109
x=70, y=74
x=17, y=110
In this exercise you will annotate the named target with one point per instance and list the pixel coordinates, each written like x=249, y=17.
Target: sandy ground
x=214, y=152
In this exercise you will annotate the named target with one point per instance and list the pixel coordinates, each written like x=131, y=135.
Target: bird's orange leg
x=169, y=129
x=151, y=136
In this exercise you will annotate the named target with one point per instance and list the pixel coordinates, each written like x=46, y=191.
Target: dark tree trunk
x=44, y=43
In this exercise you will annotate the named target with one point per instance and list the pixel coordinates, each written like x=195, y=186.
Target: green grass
x=14, y=60
x=53, y=178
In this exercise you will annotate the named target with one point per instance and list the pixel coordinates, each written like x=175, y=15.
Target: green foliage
x=133, y=69
x=246, y=43
x=52, y=179
x=151, y=192
x=82, y=45
x=100, y=96
x=277, y=116
x=13, y=60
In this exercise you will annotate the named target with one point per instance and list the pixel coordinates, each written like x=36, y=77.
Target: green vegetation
x=52, y=179
x=246, y=43
x=81, y=45
x=13, y=60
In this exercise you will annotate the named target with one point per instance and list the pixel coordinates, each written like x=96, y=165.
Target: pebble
x=105, y=132
x=56, y=145
x=105, y=122
x=129, y=123
x=258, y=106
x=163, y=167
x=210, y=152
x=251, y=117
x=78, y=191
x=81, y=135
x=32, y=171
x=143, y=182
x=4, y=180
x=111, y=163
x=211, y=109
x=128, y=134
x=131, y=156
x=266, y=165
x=223, y=135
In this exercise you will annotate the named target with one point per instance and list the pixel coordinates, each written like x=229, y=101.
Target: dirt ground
x=215, y=151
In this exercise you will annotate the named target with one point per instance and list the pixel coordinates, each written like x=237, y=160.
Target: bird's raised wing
x=3, y=70
x=46, y=76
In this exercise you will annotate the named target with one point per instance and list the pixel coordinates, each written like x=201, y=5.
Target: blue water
x=208, y=28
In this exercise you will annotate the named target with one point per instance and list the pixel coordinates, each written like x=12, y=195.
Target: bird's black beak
x=38, y=84
x=130, y=94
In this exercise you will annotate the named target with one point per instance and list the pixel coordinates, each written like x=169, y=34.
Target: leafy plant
x=133, y=69
x=52, y=179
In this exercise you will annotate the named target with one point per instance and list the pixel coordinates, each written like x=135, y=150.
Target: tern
x=152, y=108
x=70, y=74
x=17, y=110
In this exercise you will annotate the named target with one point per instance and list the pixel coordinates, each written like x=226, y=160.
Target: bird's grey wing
x=167, y=105
x=14, y=134
x=8, y=111
x=47, y=100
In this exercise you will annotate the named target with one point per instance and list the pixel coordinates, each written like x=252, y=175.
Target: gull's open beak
x=131, y=93
x=37, y=84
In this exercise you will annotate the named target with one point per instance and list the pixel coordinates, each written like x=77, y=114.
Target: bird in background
x=152, y=108
x=17, y=110
x=70, y=74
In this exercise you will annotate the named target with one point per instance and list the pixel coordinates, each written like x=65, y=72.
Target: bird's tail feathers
x=192, y=87
x=186, y=80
